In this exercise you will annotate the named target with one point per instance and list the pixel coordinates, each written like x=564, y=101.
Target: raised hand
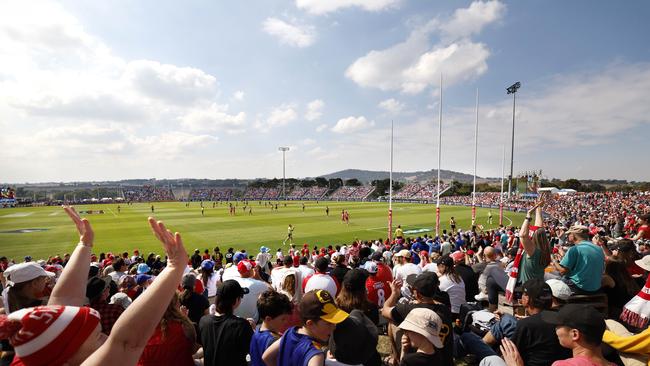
x=396, y=285
x=172, y=243
x=510, y=353
x=86, y=234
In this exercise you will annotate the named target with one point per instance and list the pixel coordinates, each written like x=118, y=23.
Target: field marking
x=507, y=218
x=108, y=208
x=54, y=213
x=19, y=214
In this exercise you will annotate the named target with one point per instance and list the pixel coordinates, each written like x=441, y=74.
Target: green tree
x=354, y=182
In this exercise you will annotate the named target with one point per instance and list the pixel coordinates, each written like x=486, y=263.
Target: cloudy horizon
x=94, y=91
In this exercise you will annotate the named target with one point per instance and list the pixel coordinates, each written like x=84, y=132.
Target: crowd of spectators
x=254, y=194
x=272, y=194
x=578, y=293
x=210, y=194
x=147, y=193
x=352, y=193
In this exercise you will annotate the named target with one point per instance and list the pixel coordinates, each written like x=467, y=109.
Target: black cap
x=231, y=289
x=539, y=292
x=578, y=316
x=96, y=286
x=355, y=279
x=447, y=261
x=376, y=256
x=426, y=283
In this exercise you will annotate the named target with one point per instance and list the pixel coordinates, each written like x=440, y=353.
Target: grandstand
x=254, y=193
x=272, y=194
x=297, y=193
x=418, y=192
x=148, y=193
x=352, y=193
x=210, y=194
x=315, y=193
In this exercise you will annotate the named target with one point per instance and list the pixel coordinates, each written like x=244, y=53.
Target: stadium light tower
x=512, y=89
x=284, y=150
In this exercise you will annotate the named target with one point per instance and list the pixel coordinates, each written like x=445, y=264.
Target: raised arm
x=70, y=289
x=132, y=330
x=528, y=244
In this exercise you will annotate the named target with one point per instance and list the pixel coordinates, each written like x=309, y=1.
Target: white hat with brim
x=426, y=323
x=23, y=272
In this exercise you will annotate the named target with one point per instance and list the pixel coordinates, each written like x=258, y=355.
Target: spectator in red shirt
x=643, y=232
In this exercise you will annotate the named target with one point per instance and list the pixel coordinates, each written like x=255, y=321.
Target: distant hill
x=367, y=176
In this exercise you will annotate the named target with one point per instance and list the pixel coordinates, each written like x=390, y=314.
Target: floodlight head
x=283, y=148
x=513, y=88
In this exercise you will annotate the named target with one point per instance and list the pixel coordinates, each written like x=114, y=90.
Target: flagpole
x=390, y=188
x=503, y=173
x=475, y=159
x=439, y=159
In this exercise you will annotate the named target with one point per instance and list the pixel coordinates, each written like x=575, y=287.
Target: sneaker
x=481, y=297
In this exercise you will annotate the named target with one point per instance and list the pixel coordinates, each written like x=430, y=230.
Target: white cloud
x=391, y=106
x=211, y=118
x=471, y=20
x=352, y=124
x=319, y=7
x=169, y=82
x=321, y=128
x=279, y=116
x=314, y=110
x=292, y=34
x=308, y=141
x=413, y=65
x=238, y=95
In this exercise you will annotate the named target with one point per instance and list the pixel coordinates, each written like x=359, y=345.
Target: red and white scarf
x=637, y=311
x=514, y=273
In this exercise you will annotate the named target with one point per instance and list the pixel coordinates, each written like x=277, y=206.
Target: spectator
x=470, y=279
x=97, y=293
x=537, y=249
x=378, y=289
x=354, y=342
x=302, y=345
x=403, y=268
x=224, y=336
x=196, y=305
x=579, y=328
x=320, y=280
x=209, y=279
x=247, y=308
x=426, y=295
x=353, y=295
x=274, y=309
x=174, y=340
x=451, y=283
x=619, y=286
x=196, y=259
x=26, y=285
x=421, y=342
x=583, y=264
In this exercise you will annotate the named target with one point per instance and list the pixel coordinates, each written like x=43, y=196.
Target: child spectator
x=303, y=345
x=421, y=333
x=274, y=309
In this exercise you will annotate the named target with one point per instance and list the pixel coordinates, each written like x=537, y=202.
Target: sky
x=94, y=91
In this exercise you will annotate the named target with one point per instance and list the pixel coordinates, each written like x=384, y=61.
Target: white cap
x=27, y=271
x=559, y=289
x=371, y=267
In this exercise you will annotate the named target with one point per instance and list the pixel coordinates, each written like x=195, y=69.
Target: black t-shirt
x=196, y=305
x=229, y=256
x=226, y=339
x=421, y=359
x=400, y=311
x=537, y=342
x=471, y=281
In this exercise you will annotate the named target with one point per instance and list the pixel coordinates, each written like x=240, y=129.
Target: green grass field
x=128, y=229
